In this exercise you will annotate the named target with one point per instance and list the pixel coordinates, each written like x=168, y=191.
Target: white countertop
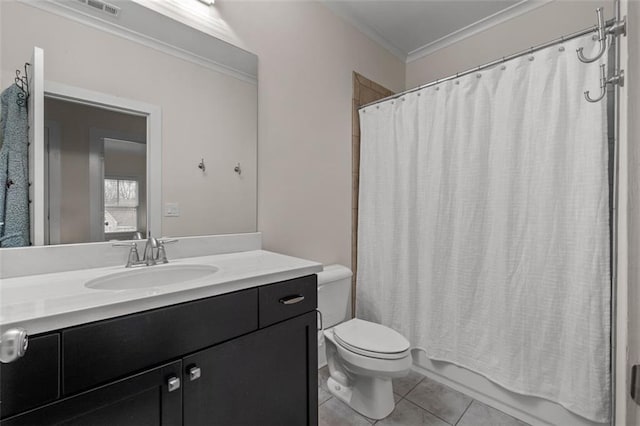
x=46, y=302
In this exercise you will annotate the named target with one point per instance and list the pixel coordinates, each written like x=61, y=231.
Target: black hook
x=22, y=81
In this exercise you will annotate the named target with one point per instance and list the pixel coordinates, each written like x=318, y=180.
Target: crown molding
x=90, y=20
x=497, y=18
x=365, y=29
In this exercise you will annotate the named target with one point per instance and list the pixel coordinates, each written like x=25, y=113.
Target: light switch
x=171, y=210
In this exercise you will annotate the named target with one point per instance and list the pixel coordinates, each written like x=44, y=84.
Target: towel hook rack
x=615, y=79
x=604, y=29
x=614, y=27
x=602, y=39
x=22, y=81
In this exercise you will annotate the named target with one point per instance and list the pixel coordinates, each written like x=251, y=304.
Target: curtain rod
x=562, y=39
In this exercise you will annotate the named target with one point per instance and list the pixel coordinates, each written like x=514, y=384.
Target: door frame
x=153, y=115
x=53, y=182
x=35, y=107
x=97, y=175
x=627, y=292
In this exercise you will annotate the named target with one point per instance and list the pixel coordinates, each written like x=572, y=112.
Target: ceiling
x=413, y=28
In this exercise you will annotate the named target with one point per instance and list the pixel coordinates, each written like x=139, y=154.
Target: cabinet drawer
x=33, y=379
x=140, y=400
x=287, y=299
x=97, y=353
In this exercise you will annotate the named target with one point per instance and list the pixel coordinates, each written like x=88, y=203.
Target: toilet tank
x=334, y=294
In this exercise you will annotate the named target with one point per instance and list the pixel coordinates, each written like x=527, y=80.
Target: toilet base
x=370, y=396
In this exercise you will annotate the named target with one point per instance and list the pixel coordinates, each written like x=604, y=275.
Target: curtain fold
x=484, y=226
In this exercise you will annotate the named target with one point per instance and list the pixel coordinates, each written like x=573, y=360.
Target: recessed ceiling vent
x=102, y=6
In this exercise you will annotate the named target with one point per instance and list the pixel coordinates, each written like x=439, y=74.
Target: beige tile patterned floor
x=420, y=401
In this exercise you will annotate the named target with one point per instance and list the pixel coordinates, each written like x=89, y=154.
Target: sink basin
x=151, y=276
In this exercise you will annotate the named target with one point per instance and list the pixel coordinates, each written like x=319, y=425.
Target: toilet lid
x=364, y=336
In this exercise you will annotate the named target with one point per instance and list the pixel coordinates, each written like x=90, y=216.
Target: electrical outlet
x=172, y=210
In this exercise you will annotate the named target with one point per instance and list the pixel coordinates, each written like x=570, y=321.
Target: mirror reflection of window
x=120, y=205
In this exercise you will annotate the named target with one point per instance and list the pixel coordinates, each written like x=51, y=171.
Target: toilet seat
x=369, y=339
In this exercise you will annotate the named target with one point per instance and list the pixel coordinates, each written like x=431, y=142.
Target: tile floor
x=419, y=401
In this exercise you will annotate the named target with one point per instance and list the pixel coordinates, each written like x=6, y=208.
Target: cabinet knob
x=194, y=373
x=13, y=344
x=173, y=383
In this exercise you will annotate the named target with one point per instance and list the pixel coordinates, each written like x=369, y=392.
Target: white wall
x=306, y=58
x=548, y=22
x=204, y=113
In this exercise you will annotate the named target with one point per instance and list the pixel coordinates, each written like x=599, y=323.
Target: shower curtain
x=484, y=226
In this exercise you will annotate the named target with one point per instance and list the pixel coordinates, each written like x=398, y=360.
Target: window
x=120, y=205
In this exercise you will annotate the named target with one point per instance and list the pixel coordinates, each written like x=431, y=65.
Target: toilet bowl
x=363, y=357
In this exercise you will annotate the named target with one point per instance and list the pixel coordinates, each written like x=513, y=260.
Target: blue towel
x=14, y=171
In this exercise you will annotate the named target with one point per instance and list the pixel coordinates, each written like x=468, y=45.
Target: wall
x=548, y=22
x=307, y=56
x=205, y=114
x=75, y=121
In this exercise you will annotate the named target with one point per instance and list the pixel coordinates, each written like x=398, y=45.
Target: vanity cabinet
x=243, y=358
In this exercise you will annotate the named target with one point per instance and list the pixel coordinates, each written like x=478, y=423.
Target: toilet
x=363, y=357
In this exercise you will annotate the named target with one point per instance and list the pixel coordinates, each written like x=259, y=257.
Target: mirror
x=185, y=111
x=109, y=148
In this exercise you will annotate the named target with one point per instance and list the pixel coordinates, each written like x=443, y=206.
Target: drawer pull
x=173, y=383
x=292, y=300
x=194, y=373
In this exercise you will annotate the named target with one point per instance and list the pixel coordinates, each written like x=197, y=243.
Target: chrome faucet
x=154, y=252
x=150, y=255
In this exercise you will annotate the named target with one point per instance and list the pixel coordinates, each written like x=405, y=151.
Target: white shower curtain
x=484, y=226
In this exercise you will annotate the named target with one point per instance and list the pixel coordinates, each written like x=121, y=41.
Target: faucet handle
x=168, y=241
x=134, y=257
x=162, y=253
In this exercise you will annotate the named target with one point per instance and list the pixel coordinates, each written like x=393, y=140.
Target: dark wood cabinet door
x=140, y=400
x=32, y=380
x=265, y=378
